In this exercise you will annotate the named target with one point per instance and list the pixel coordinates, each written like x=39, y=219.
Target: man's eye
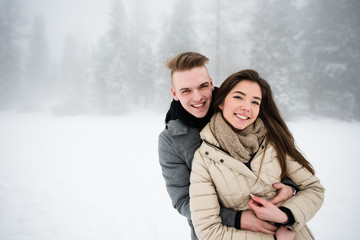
x=204, y=86
x=185, y=91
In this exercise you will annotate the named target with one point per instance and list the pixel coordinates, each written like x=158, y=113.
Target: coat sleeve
x=205, y=207
x=305, y=204
x=177, y=176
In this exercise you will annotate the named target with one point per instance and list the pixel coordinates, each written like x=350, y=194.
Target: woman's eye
x=238, y=97
x=256, y=103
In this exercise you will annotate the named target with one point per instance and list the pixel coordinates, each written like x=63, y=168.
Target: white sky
x=86, y=20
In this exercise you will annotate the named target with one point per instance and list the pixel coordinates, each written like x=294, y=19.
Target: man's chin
x=199, y=115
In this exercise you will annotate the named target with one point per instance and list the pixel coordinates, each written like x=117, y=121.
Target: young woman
x=246, y=148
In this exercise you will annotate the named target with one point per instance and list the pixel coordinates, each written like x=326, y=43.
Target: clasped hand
x=267, y=211
x=262, y=211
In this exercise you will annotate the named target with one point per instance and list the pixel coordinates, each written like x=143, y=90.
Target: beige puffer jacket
x=219, y=179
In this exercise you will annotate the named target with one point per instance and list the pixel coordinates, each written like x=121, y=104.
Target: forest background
x=309, y=51
x=83, y=88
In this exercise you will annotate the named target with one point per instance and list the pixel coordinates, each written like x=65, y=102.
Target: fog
x=80, y=80
x=106, y=57
x=86, y=20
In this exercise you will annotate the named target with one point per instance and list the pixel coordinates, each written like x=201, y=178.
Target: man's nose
x=197, y=96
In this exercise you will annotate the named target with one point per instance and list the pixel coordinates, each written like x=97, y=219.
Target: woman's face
x=241, y=106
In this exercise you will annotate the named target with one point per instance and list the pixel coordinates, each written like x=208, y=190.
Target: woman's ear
x=221, y=106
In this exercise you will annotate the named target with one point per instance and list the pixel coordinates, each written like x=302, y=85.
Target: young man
x=193, y=91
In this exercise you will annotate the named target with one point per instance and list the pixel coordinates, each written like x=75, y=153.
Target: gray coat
x=177, y=145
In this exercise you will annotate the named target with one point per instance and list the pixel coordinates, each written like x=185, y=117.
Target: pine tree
x=76, y=79
x=332, y=57
x=10, y=53
x=37, y=81
x=230, y=39
x=179, y=35
x=275, y=51
x=141, y=58
x=111, y=69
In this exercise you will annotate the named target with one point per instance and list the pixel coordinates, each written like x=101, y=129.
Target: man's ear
x=174, y=94
x=211, y=83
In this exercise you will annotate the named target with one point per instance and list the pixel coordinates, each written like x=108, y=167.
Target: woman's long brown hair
x=278, y=133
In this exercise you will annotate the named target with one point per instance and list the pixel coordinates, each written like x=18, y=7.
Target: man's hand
x=250, y=222
x=284, y=193
x=283, y=233
x=266, y=210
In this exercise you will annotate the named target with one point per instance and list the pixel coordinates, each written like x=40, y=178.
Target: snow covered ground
x=98, y=178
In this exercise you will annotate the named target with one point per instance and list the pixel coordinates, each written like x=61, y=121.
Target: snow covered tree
x=10, y=53
x=111, y=71
x=332, y=57
x=178, y=35
x=141, y=59
x=146, y=90
x=76, y=79
x=37, y=81
x=226, y=30
x=275, y=52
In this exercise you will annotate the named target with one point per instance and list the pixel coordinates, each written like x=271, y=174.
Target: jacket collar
x=222, y=158
x=211, y=149
x=208, y=136
x=176, y=127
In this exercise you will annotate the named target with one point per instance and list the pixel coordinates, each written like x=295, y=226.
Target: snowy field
x=98, y=178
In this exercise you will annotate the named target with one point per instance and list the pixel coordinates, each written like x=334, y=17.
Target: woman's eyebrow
x=240, y=92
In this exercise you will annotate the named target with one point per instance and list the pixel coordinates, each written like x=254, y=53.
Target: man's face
x=193, y=88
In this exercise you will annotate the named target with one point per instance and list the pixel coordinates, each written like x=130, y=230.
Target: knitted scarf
x=241, y=144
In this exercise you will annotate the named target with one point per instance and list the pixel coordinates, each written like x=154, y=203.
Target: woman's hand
x=283, y=233
x=266, y=210
x=284, y=193
x=250, y=222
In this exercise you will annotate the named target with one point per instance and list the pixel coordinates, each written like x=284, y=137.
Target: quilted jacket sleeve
x=307, y=201
x=205, y=207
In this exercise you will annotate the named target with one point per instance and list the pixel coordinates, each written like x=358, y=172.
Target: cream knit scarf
x=241, y=144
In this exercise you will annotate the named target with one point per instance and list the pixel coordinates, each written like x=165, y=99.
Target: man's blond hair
x=185, y=61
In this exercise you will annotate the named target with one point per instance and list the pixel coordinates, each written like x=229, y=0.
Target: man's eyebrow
x=182, y=89
x=241, y=93
x=202, y=84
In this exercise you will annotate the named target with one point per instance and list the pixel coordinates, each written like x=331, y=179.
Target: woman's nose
x=245, y=106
